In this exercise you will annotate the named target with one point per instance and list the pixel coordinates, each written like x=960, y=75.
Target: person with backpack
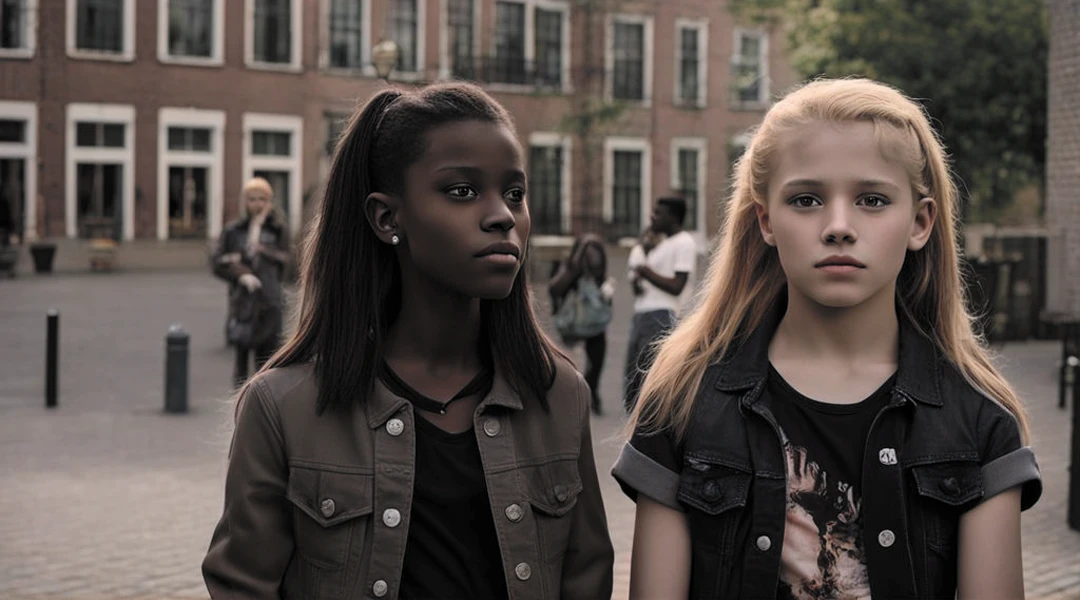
x=581, y=299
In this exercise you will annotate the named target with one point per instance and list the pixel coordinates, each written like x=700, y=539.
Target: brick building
x=141, y=119
x=1063, y=158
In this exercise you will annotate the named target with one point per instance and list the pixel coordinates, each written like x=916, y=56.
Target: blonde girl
x=826, y=424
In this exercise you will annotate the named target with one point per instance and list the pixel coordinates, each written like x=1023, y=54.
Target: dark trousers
x=646, y=328
x=243, y=354
x=595, y=350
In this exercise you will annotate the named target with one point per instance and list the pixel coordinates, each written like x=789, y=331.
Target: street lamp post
x=384, y=57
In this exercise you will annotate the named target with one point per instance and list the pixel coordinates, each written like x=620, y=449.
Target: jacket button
x=379, y=588
x=886, y=538
x=764, y=543
x=523, y=571
x=514, y=513
x=492, y=427
x=712, y=491
x=887, y=456
x=391, y=517
x=950, y=486
x=560, y=494
x=395, y=426
x=327, y=507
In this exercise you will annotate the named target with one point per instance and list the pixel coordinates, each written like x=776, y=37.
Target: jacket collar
x=384, y=404
x=918, y=376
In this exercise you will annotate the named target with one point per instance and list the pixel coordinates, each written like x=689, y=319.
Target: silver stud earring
x=395, y=240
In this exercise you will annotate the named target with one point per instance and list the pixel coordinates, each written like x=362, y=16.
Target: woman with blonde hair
x=826, y=424
x=252, y=254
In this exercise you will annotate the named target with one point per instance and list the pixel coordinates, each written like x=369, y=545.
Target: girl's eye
x=461, y=192
x=804, y=201
x=873, y=201
x=516, y=195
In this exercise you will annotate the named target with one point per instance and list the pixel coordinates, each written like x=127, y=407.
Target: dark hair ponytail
x=350, y=280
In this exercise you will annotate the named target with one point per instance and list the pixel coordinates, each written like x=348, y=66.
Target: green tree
x=978, y=67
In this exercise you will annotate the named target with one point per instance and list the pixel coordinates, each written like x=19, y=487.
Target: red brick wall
x=1063, y=156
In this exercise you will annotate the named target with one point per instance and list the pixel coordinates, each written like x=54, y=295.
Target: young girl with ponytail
x=825, y=424
x=419, y=436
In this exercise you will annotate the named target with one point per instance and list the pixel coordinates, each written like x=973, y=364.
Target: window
x=626, y=184
x=690, y=62
x=189, y=173
x=18, y=167
x=549, y=183
x=271, y=151
x=549, y=47
x=12, y=131
x=531, y=45
x=509, y=64
x=100, y=187
x=17, y=27
x=191, y=28
x=347, y=40
x=688, y=177
x=460, y=37
x=629, y=58
x=101, y=28
x=749, y=68
x=275, y=33
x=406, y=31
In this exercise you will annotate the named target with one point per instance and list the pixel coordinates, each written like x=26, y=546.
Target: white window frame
x=213, y=161
x=609, y=57
x=127, y=54
x=444, y=36
x=736, y=55
x=296, y=44
x=365, y=68
x=701, y=146
x=421, y=42
x=642, y=145
x=123, y=114
x=293, y=163
x=566, y=142
x=530, y=43
x=27, y=151
x=217, y=38
x=29, y=34
x=702, y=27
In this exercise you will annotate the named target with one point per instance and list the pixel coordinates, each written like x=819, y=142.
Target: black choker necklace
x=481, y=383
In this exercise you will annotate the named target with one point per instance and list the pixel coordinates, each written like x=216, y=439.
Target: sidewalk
x=107, y=497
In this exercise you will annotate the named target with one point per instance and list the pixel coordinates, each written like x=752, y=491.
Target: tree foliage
x=978, y=66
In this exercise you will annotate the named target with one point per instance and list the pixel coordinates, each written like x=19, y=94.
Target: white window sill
x=191, y=61
x=17, y=53
x=279, y=67
x=80, y=54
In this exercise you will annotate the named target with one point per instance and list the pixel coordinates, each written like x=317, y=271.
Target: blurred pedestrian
x=581, y=298
x=252, y=254
x=418, y=436
x=661, y=277
x=825, y=423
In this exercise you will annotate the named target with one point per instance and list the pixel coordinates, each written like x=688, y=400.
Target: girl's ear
x=381, y=210
x=764, y=224
x=923, y=225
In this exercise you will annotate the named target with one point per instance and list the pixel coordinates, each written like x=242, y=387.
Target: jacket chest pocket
x=331, y=515
x=945, y=491
x=716, y=496
x=553, y=490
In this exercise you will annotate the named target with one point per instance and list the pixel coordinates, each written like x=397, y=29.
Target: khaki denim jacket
x=319, y=506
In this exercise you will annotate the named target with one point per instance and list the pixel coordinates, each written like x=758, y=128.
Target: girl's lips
x=500, y=259
x=839, y=268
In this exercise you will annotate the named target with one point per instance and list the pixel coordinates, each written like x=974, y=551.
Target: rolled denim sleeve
x=1006, y=462
x=649, y=464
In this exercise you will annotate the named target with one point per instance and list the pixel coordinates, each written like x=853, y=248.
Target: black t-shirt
x=452, y=551
x=823, y=555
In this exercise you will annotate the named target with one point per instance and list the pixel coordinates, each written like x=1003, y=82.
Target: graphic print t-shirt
x=823, y=555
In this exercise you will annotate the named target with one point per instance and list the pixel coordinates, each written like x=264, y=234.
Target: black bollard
x=1074, y=464
x=176, y=370
x=52, y=356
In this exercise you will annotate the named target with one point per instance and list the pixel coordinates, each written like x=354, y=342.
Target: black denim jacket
x=937, y=449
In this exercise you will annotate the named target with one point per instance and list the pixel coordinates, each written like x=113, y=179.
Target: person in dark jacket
x=251, y=255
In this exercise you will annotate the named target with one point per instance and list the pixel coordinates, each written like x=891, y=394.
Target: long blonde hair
x=745, y=279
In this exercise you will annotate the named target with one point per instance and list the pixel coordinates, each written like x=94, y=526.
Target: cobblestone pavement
x=108, y=497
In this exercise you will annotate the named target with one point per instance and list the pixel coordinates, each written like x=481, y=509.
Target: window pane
x=629, y=69
x=545, y=189
x=509, y=64
x=112, y=135
x=626, y=193
x=187, y=202
x=273, y=31
x=460, y=19
x=86, y=134
x=190, y=27
x=200, y=139
x=97, y=189
x=548, y=47
x=405, y=33
x=12, y=23
x=12, y=130
x=99, y=25
x=346, y=34
x=689, y=64
x=688, y=184
x=12, y=196
x=178, y=138
x=271, y=143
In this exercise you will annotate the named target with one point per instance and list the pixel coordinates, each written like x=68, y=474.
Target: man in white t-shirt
x=660, y=285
